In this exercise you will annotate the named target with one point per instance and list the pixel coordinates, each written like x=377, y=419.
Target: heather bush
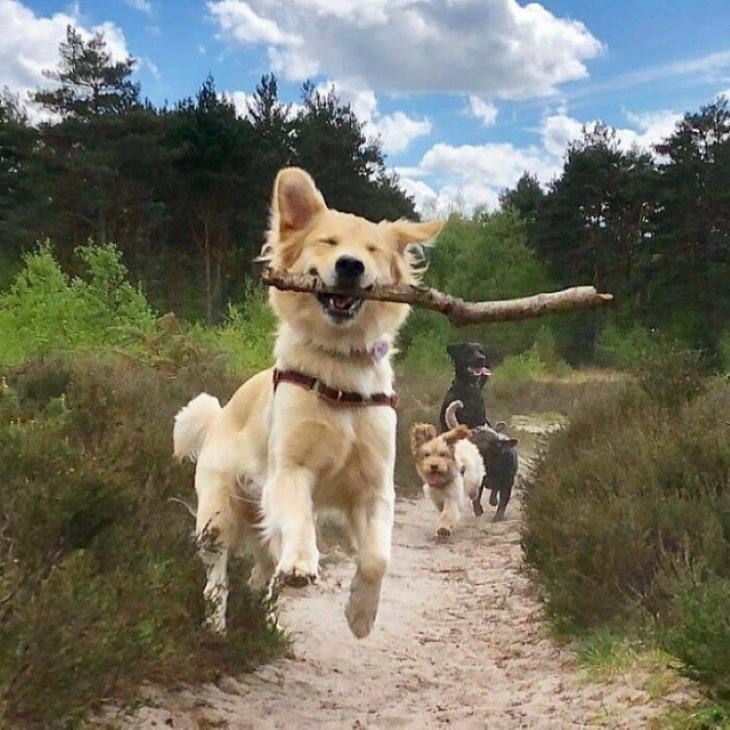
x=101, y=586
x=629, y=499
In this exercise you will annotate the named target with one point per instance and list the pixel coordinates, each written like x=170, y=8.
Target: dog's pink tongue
x=341, y=302
x=432, y=478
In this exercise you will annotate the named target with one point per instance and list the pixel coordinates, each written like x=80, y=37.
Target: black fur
x=500, y=462
x=468, y=358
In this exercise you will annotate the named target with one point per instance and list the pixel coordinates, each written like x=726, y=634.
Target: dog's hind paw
x=362, y=607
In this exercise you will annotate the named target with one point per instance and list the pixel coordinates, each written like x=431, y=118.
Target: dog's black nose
x=348, y=268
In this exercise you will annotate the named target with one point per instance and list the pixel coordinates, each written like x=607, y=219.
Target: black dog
x=500, y=463
x=471, y=372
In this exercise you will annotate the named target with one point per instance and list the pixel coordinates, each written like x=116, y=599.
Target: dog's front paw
x=295, y=577
x=299, y=573
x=443, y=531
x=477, y=507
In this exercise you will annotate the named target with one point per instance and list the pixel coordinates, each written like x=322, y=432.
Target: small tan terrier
x=451, y=468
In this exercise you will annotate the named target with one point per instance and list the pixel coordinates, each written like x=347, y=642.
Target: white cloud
x=240, y=22
x=497, y=48
x=151, y=66
x=558, y=131
x=143, y=6
x=30, y=45
x=396, y=130
x=468, y=176
x=423, y=195
x=495, y=164
x=483, y=110
x=647, y=128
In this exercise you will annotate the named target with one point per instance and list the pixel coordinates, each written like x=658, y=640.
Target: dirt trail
x=459, y=643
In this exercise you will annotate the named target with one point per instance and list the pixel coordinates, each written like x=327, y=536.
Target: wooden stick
x=457, y=310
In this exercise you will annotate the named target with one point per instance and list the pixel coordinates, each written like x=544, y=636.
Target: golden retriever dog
x=452, y=470
x=318, y=429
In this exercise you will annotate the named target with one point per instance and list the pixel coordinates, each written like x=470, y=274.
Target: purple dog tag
x=379, y=350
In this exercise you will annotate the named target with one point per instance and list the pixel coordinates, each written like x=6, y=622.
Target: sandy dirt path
x=459, y=642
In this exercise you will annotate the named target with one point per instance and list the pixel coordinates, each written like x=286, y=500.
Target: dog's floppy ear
x=454, y=349
x=421, y=433
x=456, y=434
x=500, y=426
x=408, y=233
x=296, y=202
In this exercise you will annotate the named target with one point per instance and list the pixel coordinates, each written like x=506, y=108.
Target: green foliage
x=517, y=371
x=629, y=500
x=619, y=346
x=669, y=373
x=246, y=336
x=44, y=309
x=102, y=587
x=704, y=717
x=477, y=259
x=697, y=629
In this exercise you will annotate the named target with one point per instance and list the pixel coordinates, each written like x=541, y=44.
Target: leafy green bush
x=45, y=310
x=517, y=371
x=619, y=347
x=246, y=336
x=698, y=630
x=627, y=487
x=101, y=584
x=670, y=374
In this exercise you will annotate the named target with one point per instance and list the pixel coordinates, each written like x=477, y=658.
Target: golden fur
x=451, y=468
x=288, y=452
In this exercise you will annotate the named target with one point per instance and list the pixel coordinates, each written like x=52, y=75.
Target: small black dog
x=471, y=372
x=500, y=463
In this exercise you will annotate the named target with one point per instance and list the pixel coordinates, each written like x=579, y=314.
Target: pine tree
x=90, y=84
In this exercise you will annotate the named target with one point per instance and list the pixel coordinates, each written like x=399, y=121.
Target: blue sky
x=465, y=94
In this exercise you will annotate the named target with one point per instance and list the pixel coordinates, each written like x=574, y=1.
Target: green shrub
x=45, y=310
x=102, y=586
x=670, y=374
x=517, y=371
x=698, y=630
x=619, y=347
x=246, y=336
x=624, y=490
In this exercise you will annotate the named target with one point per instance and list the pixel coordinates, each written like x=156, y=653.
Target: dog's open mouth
x=434, y=478
x=480, y=372
x=339, y=306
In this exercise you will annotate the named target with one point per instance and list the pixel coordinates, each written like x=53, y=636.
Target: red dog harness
x=333, y=395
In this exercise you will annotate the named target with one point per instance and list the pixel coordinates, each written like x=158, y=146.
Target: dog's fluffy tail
x=450, y=414
x=191, y=425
